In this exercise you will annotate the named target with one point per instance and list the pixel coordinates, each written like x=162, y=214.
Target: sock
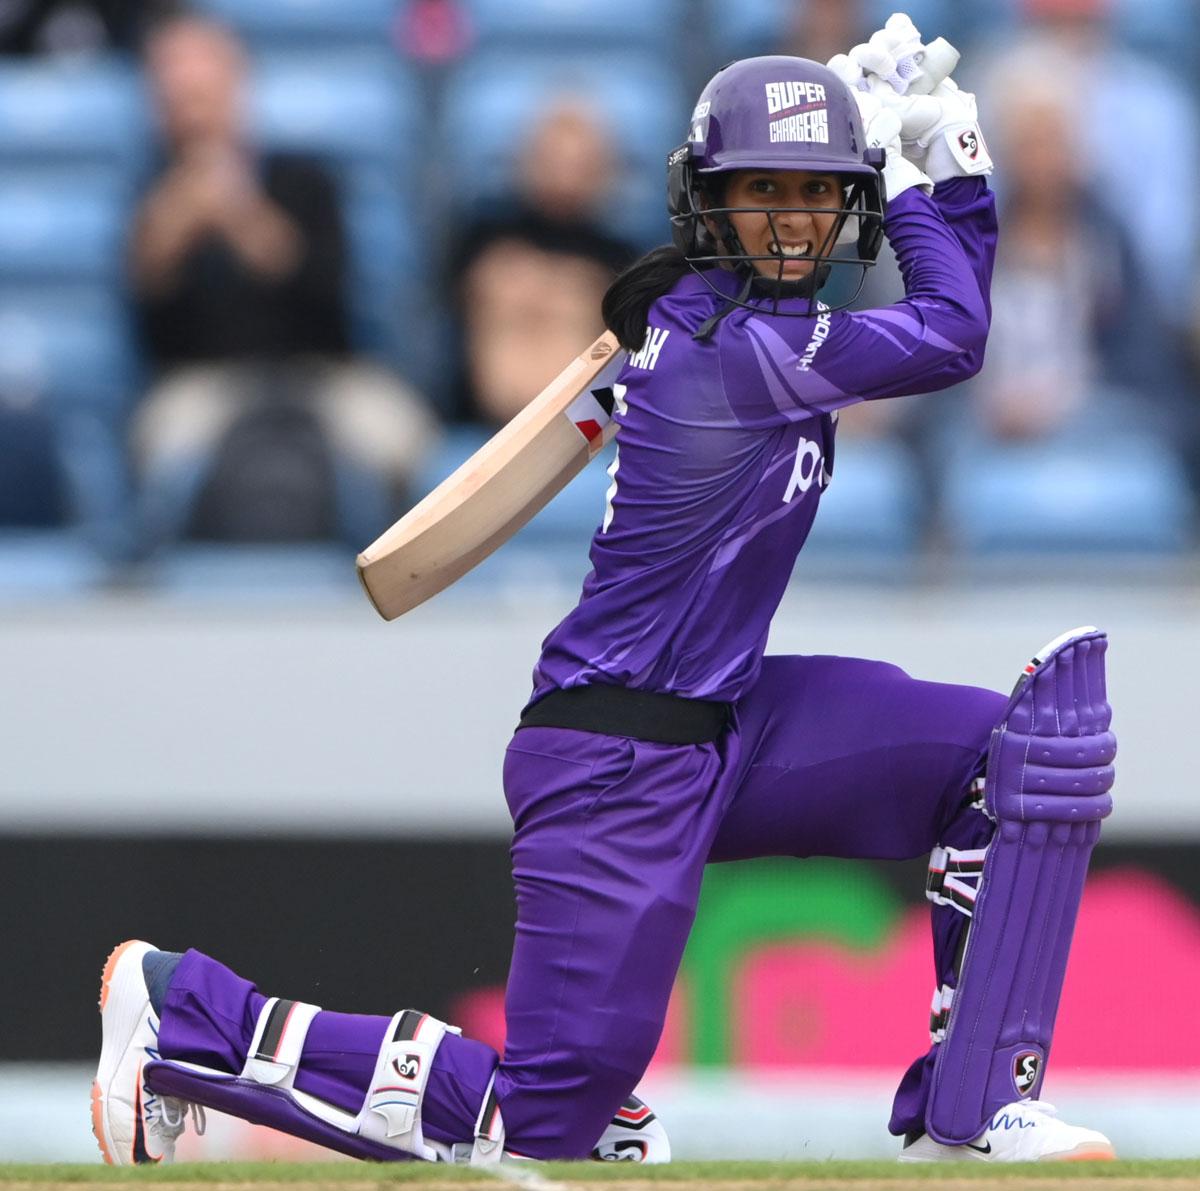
x=158, y=967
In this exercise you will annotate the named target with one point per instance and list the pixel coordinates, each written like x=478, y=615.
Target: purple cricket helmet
x=775, y=112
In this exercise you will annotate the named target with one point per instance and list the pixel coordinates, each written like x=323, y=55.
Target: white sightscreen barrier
x=156, y=715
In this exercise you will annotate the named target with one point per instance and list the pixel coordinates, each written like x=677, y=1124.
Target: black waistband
x=620, y=711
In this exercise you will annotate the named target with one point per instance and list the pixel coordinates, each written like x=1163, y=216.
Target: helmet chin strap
x=802, y=287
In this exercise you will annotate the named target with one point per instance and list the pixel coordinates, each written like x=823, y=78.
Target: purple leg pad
x=1049, y=774
x=261, y=1105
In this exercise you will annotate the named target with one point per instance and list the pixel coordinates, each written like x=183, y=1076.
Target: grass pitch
x=588, y=1176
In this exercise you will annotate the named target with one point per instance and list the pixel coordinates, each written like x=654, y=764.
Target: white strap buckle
x=279, y=1034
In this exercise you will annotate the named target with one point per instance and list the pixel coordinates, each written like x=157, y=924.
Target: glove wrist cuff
x=899, y=175
x=958, y=151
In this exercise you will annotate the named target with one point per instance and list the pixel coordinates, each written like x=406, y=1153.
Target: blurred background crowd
x=270, y=269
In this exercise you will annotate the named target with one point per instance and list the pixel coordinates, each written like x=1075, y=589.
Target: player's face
x=786, y=233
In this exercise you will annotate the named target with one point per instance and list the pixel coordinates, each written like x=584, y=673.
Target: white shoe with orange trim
x=133, y=1125
x=1026, y=1131
x=635, y=1134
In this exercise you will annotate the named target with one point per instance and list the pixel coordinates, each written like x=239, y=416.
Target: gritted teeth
x=802, y=249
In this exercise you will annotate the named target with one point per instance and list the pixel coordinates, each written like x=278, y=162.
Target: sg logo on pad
x=1026, y=1066
x=408, y=1067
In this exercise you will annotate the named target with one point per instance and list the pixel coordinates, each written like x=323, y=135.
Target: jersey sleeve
x=782, y=369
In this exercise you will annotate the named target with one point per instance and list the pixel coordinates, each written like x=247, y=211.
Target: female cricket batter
x=659, y=738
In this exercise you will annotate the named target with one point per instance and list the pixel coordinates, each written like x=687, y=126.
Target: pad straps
x=278, y=1041
x=954, y=877
x=391, y=1113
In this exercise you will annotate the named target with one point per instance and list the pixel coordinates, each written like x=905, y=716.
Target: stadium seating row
x=1002, y=504
x=76, y=140
x=1163, y=27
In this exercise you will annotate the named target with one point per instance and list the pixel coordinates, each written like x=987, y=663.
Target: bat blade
x=502, y=486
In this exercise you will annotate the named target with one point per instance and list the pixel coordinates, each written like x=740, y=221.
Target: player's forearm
x=942, y=284
x=969, y=209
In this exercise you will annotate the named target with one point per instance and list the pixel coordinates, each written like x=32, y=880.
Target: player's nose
x=794, y=223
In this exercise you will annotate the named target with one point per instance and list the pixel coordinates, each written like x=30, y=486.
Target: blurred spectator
x=1132, y=119
x=1073, y=326
x=821, y=28
x=238, y=269
x=530, y=277
x=76, y=26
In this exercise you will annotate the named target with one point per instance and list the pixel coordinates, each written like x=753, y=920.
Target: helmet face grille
x=776, y=113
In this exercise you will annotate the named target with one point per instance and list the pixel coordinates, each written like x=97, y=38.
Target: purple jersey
x=727, y=444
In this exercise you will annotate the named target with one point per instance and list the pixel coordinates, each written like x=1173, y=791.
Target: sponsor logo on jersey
x=819, y=335
x=647, y=356
x=1026, y=1066
x=809, y=468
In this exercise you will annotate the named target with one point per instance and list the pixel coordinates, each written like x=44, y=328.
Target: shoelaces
x=172, y=1117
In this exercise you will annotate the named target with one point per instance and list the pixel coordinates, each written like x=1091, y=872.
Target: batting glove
x=882, y=127
x=939, y=125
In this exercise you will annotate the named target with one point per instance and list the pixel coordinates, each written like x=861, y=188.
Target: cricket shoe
x=133, y=1125
x=633, y=1135
x=1026, y=1131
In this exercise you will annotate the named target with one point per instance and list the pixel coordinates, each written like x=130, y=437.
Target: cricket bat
x=500, y=488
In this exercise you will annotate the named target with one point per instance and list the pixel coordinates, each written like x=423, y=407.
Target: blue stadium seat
x=935, y=18
x=48, y=563
x=270, y=573
x=62, y=224
x=747, y=27
x=493, y=101
x=873, y=508
x=346, y=107
x=306, y=22
x=362, y=115
x=32, y=491
x=763, y=26
x=75, y=364
x=74, y=112
x=1168, y=29
x=80, y=352
x=1126, y=495
x=648, y=25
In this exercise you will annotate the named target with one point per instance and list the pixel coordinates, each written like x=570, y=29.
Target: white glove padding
x=940, y=132
x=939, y=129
x=896, y=55
x=882, y=127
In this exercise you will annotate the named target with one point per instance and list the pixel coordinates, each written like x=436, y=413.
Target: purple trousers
x=826, y=756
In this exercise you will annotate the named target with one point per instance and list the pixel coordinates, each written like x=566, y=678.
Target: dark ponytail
x=627, y=301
